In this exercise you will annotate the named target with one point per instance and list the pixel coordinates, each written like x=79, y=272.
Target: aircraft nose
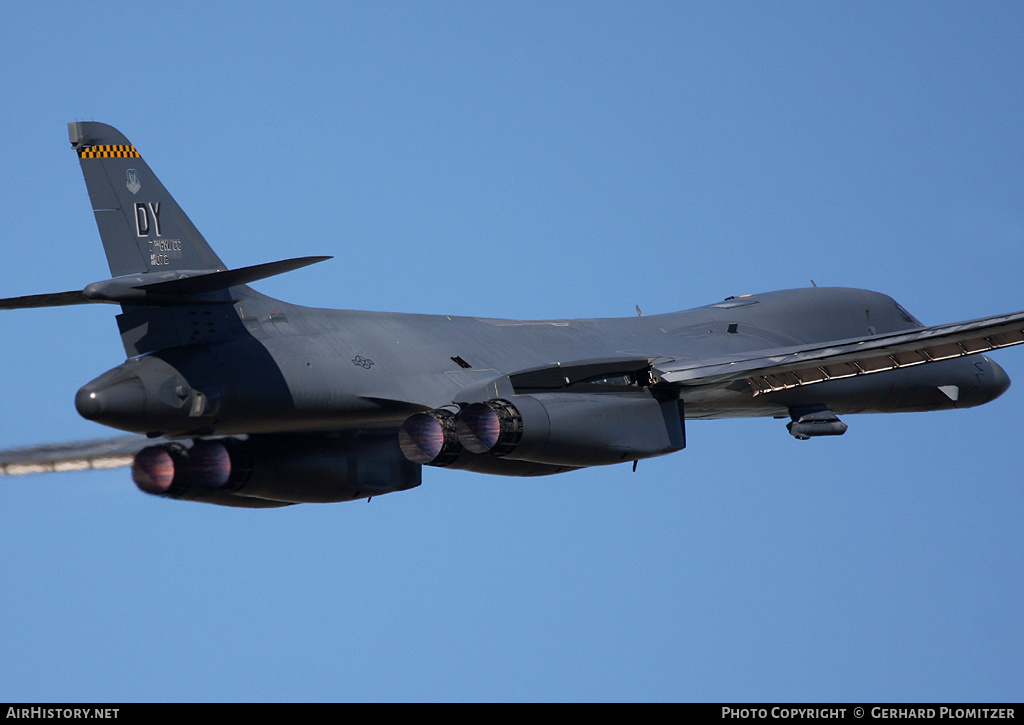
x=999, y=380
x=991, y=382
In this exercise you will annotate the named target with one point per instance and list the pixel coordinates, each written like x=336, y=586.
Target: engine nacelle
x=431, y=439
x=277, y=470
x=554, y=429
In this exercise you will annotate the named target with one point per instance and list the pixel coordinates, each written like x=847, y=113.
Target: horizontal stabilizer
x=161, y=288
x=53, y=299
x=229, y=278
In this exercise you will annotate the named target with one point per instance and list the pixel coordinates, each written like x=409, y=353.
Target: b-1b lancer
x=244, y=400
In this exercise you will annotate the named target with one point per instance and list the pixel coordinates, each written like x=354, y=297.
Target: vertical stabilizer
x=142, y=228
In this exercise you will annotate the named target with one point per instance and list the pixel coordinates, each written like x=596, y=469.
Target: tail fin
x=142, y=228
x=163, y=271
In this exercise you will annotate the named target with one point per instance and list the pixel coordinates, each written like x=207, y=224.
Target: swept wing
x=790, y=367
x=77, y=456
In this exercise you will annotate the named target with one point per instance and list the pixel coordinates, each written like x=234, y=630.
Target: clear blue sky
x=530, y=160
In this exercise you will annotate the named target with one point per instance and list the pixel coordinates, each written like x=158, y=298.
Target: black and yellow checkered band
x=110, y=151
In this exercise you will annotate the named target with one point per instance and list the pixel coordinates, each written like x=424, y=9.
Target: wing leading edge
x=790, y=367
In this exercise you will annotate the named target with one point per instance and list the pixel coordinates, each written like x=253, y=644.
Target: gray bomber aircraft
x=244, y=400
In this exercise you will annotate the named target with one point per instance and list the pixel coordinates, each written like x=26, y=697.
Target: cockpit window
x=731, y=302
x=906, y=316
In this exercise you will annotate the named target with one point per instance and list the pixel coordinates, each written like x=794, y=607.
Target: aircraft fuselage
x=285, y=368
